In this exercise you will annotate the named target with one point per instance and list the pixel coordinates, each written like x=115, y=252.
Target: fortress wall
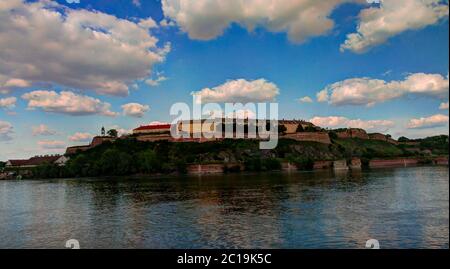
x=441, y=160
x=200, y=169
x=393, y=162
x=323, y=165
x=320, y=137
x=340, y=165
x=353, y=133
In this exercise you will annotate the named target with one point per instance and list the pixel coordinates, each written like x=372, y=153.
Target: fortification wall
x=441, y=161
x=323, y=165
x=200, y=169
x=353, y=133
x=73, y=150
x=340, y=165
x=393, y=162
x=382, y=137
x=320, y=137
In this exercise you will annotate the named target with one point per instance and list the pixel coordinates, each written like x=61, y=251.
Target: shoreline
x=242, y=173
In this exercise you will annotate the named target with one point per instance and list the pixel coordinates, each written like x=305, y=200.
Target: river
x=399, y=207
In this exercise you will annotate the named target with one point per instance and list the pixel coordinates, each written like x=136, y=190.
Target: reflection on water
x=402, y=208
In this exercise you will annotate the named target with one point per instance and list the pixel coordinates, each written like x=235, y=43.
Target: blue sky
x=409, y=64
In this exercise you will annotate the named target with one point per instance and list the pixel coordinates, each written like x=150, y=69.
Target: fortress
x=194, y=130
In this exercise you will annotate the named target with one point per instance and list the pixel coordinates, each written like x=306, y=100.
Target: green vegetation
x=112, y=132
x=369, y=149
x=129, y=156
x=437, y=144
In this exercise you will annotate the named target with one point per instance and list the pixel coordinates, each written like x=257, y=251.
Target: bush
x=232, y=168
x=148, y=161
x=253, y=164
x=271, y=164
x=303, y=163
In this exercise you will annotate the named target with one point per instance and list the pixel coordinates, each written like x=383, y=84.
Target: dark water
x=402, y=208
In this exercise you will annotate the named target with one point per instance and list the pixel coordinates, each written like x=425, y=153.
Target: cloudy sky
x=69, y=67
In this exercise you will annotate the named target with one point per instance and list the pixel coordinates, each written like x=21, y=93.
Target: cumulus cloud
x=343, y=122
x=6, y=131
x=208, y=19
x=67, y=102
x=8, y=103
x=43, y=130
x=366, y=91
x=135, y=110
x=239, y=91
x=78, y=137
x=155, y=82
x=444, y=106
x=51, y=144
x=8, y=84
x=392, y=17
x=305, y=99
x=437, y=120
x=44, y=41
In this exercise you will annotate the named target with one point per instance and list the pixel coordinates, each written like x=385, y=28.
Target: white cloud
x=42, y=129
x=437, y=120
x=366, y=91
x=8, y=103
x=148, y=23
x=8, y=84
x=78, y=137
x=166, y=23
x=89, y=50
x=155, y=82
x=208, y=19
x=343, y=122
x=6, y=131
x=51, y=144
x=135, y=110
x=444, y=106
x=305, y=99
x=121, y=131
x=392, y=17
x=239, y=91
x=137, y=3
x=67, y=102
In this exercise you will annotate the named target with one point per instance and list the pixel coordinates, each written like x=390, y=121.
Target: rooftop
x=153, y=127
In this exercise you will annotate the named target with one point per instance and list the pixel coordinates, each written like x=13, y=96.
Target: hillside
x=129, y=156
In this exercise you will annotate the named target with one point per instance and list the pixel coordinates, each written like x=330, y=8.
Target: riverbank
x=355, y=164
x=132, y=157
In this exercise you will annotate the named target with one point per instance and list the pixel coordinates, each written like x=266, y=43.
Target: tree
x=333, y=135
x=300, y=129
x=103, y=131
x=403, y=139
x=115, y=162
x=148, y=161
x=112, y=132
x=282, y=129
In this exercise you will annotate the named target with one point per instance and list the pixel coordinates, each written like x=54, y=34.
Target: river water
x=400, y=207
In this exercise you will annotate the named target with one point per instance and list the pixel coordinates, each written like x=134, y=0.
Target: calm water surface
x=402, y=208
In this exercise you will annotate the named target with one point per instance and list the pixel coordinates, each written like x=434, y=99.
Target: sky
x=69, y=67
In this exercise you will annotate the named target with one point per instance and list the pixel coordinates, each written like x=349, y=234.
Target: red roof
x=153, y=127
